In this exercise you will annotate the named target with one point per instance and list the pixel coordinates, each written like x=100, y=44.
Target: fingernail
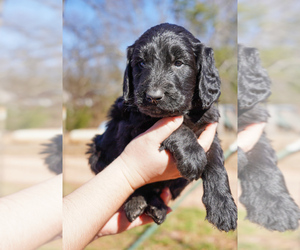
x=177, y=118
x=169, y=210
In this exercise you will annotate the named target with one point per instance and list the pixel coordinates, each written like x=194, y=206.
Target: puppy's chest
x=197, y=127
x=129, y=129
x=131, y=124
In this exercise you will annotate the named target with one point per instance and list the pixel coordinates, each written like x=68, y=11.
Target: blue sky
x=26, y=15
x=34, y=15
x=30, y=27
x=37, y=17
x=86, y=14
x=267, y=23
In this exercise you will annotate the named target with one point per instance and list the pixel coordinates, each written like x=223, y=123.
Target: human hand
x=250, y=136
x=143, y=163
x=119, y=223
x=207, y=136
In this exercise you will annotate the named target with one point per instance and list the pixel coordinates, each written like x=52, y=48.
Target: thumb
x=163, y=128
x=207, y=136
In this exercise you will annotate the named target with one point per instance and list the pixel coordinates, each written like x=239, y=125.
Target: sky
x=30, y=16
x=86, y=14
x=269, y=23
x=31, y=46
x=30, y=29
x=39, y=18
x=24, y=15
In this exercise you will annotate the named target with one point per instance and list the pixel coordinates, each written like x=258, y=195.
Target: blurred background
x=272, y=27
x=91, y=61
x=96, y=35
x=30, y=90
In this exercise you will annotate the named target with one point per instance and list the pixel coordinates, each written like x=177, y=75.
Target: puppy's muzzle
x=154, y=96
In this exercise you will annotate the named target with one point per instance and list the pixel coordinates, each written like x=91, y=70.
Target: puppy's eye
x=178, y=63
x=142, y=64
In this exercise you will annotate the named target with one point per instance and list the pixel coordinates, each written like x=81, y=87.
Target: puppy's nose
x=154, y=95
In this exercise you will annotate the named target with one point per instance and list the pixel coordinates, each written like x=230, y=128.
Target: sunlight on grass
x=184, y=228
x=252, y=236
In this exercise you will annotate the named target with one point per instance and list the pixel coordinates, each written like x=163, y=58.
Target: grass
x=184, y=228
x=252, y=236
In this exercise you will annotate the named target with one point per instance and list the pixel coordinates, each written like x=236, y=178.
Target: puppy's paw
x=281, y=215
x=134, y=207
x=156, y=209
x=222, y=213
x=267, y=200
x=192, y=164
x=158, y=214
x=187, y=152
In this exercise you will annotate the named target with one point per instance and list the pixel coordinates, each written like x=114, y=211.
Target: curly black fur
x=53, y=152
x=169, y=72
x=264, y=192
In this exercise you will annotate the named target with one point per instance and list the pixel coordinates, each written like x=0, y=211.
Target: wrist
x=130, y=172
x=119, y=168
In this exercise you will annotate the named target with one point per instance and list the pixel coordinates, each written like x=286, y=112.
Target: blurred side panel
x=30, y=94
x=269, y=113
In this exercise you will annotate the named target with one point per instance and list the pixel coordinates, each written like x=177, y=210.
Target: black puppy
x=169, y=72
x=264, y=192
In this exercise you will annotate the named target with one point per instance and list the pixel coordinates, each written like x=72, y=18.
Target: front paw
x=134, y=207
x=274, y=213
x=222, y=213
x=190, y=158
x=191, y=165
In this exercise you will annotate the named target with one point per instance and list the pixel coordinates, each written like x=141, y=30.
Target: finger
x=119, y=223
x=255, y=127
x=166, y=195
x=139, y=221
x=207, y=136
x=143, y=220
x=163, y=128
x=250, y=135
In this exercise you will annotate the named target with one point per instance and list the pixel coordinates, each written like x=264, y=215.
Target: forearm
x=88, y=208
x=32, y=216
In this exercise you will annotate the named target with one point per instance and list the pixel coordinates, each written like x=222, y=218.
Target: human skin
x=86, y=211
x=119, y=223
x=250, y=136
x=33, y=216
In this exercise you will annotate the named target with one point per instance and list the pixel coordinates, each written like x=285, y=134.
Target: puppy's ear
x=127, y=82
x=208, y=77
x=253, y=80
